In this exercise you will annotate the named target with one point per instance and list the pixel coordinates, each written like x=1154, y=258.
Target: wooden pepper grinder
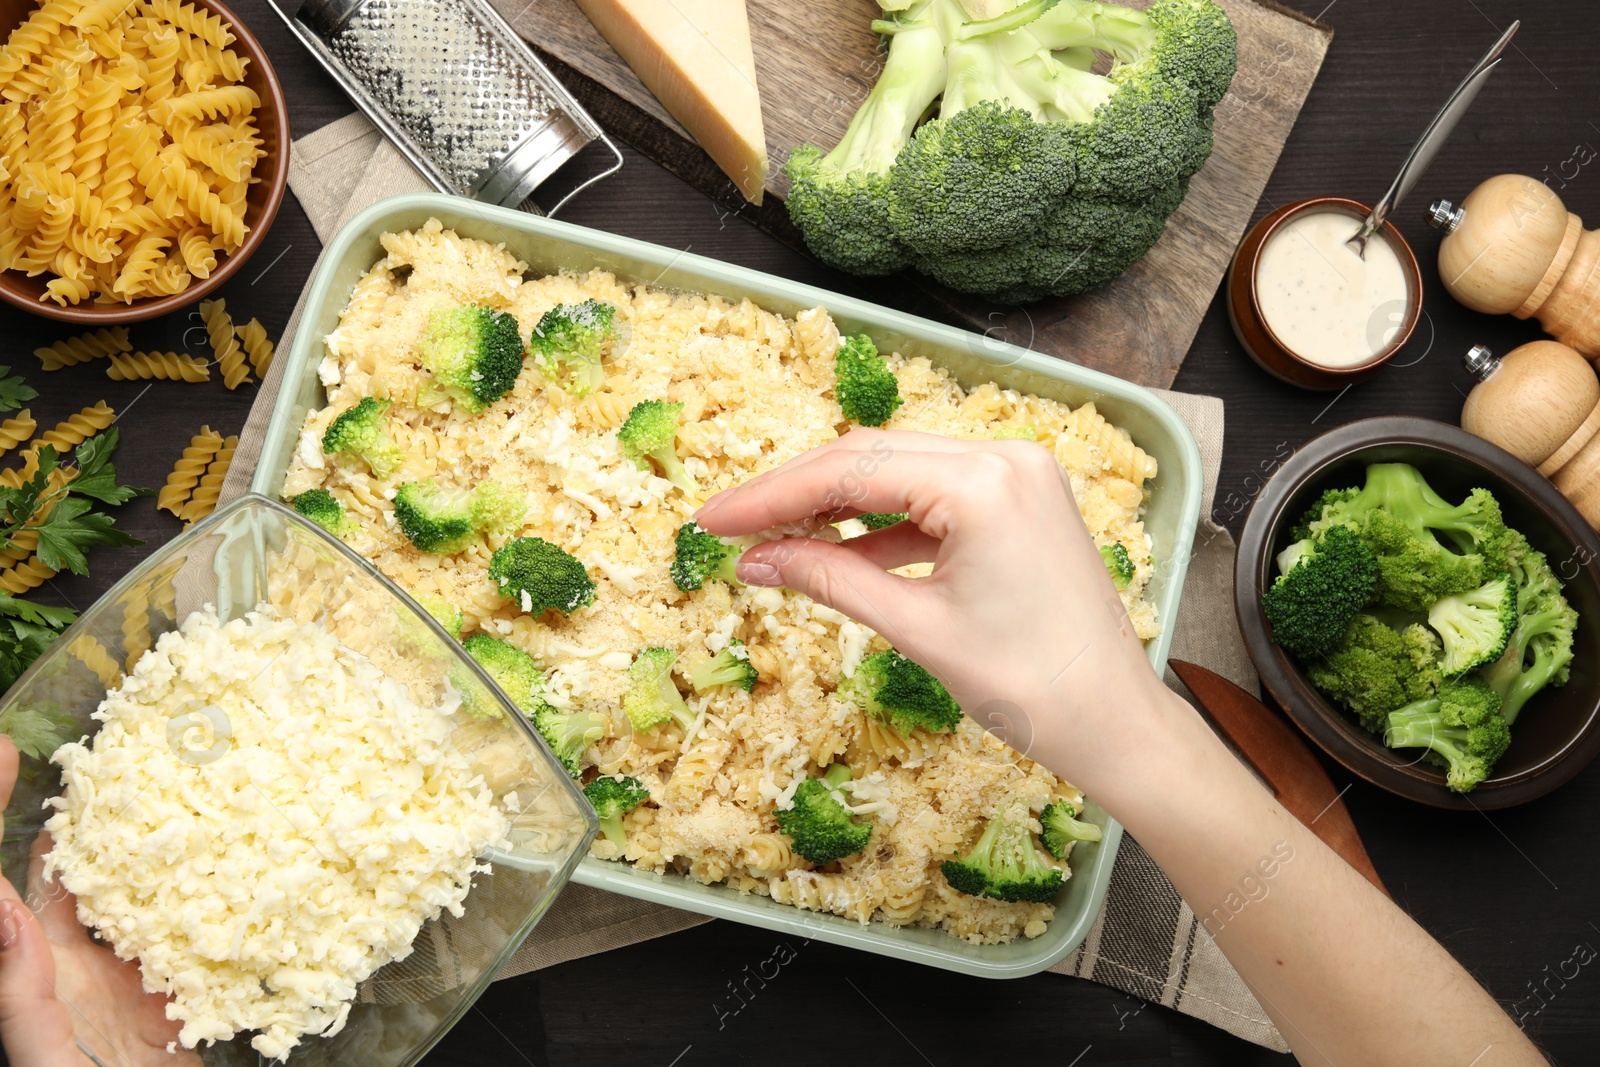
x=1541, y=403
x=1512, y=247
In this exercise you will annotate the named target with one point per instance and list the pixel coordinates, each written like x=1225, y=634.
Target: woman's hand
x=1019, y=609
x=58, y=987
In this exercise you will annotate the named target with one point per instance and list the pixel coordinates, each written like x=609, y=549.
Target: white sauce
x=1327, y=304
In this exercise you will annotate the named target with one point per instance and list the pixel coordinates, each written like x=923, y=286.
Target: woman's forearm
x=1346, y=975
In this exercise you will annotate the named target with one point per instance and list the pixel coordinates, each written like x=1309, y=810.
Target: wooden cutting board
x=814, y=70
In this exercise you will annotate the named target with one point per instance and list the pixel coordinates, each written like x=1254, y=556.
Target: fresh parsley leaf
x=69, y=529
x=38, y=729
x=14, y=392
x=96, y=477
x=39, y=614
x=23, y=502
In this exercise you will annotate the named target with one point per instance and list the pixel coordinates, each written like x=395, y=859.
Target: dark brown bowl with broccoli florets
x=1557, y=732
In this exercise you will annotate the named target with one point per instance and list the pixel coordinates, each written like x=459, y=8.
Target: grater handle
x=616, y=155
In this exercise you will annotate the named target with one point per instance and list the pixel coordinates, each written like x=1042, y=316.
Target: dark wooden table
x=1512, y=894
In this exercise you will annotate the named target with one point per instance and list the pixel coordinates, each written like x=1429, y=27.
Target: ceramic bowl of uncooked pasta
x=146, y=154
x=284, y=742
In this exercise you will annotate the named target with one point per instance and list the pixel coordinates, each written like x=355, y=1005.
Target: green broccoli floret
x=1024, y=129
x=1539, y=652
x=1027, y=431
x=444, y=520
x=612, y=798
x=1118, y=564
x=1004, y=863
x=819, y=821
x=699, y=556
x=865, y=387
x=473, y=353
x=512, y=669
x=650, y=433
x=1060, y=827
x=1328, y=582
x=569, y=733
x=1414, y=570
x=1301, y=531
x=1463, y=725
x=324, y=509
x=358, y=433
x=731, y=666
x=540, y=576
x=1475, y=626
x=879, y=520
x=1376, y=669
x=652, y=697
x=1084, y=243
x=444, y=613
x=901, y=693
x=571, y=342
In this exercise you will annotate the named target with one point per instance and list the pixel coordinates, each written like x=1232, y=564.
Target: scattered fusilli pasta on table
x=224, y=345
x=67, y=434
x=167, y=366
x=29, y=574
x=253, y=336
x=187, y=472
x=96, y=344
x=204, y=499
x=17, y=429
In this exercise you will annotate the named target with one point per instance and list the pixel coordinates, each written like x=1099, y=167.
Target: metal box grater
x=456, y=90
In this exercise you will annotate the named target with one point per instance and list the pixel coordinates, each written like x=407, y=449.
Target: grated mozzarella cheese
x=264, y=819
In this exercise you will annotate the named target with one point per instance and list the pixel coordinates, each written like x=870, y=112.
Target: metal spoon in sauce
x=1433, y=139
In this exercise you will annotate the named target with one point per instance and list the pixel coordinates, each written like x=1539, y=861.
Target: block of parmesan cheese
x=695, y=56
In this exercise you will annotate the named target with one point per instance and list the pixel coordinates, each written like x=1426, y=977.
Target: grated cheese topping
x=263, y=820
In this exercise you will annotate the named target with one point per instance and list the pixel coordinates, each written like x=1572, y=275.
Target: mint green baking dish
x=548, y=246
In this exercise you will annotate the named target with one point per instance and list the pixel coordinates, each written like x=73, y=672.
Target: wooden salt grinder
x=1512, y=247
x=1541, y=403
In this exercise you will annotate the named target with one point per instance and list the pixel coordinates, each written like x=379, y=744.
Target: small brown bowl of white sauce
x=1312, y=311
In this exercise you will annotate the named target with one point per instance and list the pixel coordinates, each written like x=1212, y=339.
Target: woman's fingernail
x=714, y=504
x=757, y=573
x=9, y=925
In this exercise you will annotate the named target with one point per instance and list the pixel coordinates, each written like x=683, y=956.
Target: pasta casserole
x=749, y=389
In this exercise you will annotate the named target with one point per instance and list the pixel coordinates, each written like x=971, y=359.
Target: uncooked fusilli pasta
x=76, y=429
x=189, y=469
x=253, y=336
x=93, y=654
x=167, y=366
x=224, y=345
x=17, y=429
x=29, y=574
x=204, y=499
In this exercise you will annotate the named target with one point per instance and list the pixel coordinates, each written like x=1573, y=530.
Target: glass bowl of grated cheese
x=280, y=784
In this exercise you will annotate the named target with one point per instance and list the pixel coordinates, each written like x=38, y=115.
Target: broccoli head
x=879, y=520
x=512, y=669
x=473, y=353
x=1328, y=582
x=1375, y=669
x=324, y=509
x=901, y=693
x=569, y=733
x=540, y=576
x=819, y=821
x=445, y=520
x=612, y=798
x=1462, y=726
x=652, y=697
x=1414, y=569
x=358, y=433
x=1083, y=243
x=867, y=390
x=1004, y=863
x=1024, y=129
x=650, y=433
x=1118, y=564
x=571, y=342
x=1060, y=826
x=1026, y=431
x=731, y=666
x=444, y=613
x=1475, y=626
x=1539, y=652
x=699, y=556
